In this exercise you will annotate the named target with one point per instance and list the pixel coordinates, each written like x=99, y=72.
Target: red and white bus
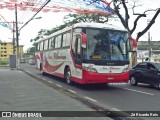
x=86, y=53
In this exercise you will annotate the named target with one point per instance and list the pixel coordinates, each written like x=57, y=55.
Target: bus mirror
x=84, y=39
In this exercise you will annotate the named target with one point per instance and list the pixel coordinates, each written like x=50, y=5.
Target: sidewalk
x=20, y=92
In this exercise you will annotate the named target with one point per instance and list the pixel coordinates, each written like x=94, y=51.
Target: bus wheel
x=68, y=77
x=41, y=70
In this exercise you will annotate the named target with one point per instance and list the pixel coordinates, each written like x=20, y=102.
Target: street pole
x=13, y=40
x=149, y=43
x=17, y=39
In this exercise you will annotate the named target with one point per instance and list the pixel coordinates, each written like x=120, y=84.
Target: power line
x=28, y=10
x=35, y=14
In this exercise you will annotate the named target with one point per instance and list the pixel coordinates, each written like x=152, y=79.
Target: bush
x=3, y=63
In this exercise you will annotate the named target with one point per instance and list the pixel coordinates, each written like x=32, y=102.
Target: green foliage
x=37, y=38
x=87, y=18
x=31, y=50
x=3, y=63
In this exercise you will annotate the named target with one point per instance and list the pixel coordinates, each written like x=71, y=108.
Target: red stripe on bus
x=49, y=68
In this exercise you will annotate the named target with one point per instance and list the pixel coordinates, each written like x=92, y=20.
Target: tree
x=31, y=50
x=124, y=18
x=74, y=18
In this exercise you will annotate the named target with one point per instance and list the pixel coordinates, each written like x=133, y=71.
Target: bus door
x=77, y=72
x=78, y=53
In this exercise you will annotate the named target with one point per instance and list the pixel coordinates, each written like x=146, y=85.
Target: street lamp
x=29, y=21
x=37, y=18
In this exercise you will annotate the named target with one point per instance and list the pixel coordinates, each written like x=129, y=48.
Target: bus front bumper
x=93, y=77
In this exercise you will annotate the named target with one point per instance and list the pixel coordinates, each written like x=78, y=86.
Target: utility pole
x=13, y=40
x=17, y=38
x=149, y=43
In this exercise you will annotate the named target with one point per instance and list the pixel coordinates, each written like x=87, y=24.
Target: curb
x=4, y=65
x=102, y=112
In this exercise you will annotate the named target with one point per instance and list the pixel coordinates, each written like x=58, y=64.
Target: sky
x=50, y=20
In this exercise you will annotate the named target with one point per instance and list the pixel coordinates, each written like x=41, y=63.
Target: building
x=143, y=50
x=6, y=49
x=21, y=53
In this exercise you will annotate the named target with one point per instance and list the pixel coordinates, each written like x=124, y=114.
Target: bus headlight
x=90, y=69
x=93, y=70
x=125, y=69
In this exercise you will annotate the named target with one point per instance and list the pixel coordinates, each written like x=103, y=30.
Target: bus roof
x=99, y=25
x=85, y=24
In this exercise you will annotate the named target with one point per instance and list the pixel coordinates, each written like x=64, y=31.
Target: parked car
x=22, y=60
x=146, y=72
x=31, y=62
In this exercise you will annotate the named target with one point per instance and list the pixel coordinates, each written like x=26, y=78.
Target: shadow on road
x=88, y=87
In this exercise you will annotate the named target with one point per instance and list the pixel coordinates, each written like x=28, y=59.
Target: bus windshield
x=106, y=44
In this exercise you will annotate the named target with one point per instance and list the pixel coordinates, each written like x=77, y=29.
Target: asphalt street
x=120, y=97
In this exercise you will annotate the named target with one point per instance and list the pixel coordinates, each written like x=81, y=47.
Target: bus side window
x=52, y=43
x=41, y=45
x=46, y=44
x=37, y=47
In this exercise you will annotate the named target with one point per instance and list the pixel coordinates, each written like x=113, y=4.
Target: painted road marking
x=45, y=79
x=50, y=81
x=138, y=91
x=29, y=72
x=59, y=85
x=72, y=91
x=90, y=99
x=115, y=109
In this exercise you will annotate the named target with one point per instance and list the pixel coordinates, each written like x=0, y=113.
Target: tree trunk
x=133, y=51
x=134, y=58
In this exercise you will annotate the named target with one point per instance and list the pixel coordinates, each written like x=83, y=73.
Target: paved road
x=20, y=92
x=123, y=97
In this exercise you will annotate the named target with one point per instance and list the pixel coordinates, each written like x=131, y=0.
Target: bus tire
x=68, y=76
x=41, y=70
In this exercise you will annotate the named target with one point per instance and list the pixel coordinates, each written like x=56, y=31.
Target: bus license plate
x=110, y=78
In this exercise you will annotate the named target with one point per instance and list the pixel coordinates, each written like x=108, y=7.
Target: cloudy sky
x=51, y=19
